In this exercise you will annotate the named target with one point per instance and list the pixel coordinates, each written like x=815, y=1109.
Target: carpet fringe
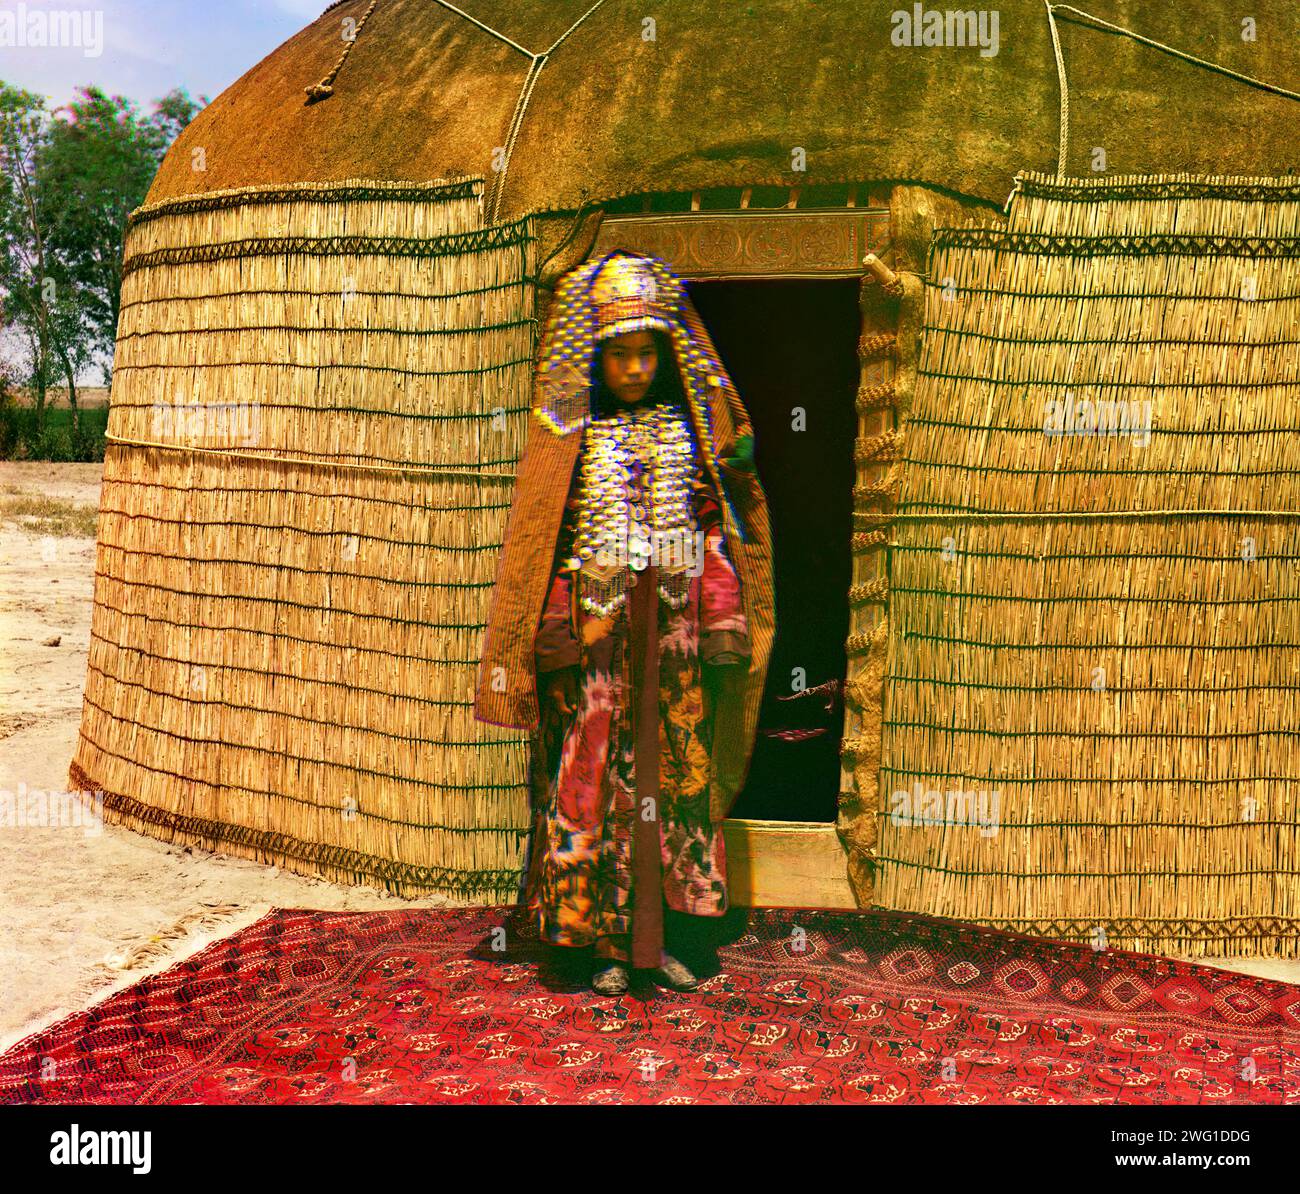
x=162, y=943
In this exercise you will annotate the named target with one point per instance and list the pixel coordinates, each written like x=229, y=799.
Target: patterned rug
x=803, y=1006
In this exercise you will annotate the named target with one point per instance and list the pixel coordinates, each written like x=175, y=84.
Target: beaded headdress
x=599, y=295
x=593, y=299
x=609, y=296
x=625, y=293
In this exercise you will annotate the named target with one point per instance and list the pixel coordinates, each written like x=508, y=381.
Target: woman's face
x=629, y=363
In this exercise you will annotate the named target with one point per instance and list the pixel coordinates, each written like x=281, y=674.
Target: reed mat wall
x=1103, y=629
x=319, y=397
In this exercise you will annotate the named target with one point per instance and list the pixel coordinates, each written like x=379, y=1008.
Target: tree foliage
x=68, y=181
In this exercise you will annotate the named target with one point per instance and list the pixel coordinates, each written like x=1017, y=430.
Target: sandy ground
x=85, y=913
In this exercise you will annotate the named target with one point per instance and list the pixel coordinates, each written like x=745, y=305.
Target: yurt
x=1011, y=298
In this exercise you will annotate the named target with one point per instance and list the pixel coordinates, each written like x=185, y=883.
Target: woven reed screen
x=319, y=396
x=1101, y=626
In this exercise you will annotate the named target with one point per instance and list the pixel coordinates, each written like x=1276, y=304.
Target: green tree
x=68, y=182
x=27, y=291
x=101, y=157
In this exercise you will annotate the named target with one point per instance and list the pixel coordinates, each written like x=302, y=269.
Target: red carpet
x=415, y=1007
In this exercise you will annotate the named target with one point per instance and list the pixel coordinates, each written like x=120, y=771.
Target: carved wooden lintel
x=778, y=243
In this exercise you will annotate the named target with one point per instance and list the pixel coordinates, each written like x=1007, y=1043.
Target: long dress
x=621, y=828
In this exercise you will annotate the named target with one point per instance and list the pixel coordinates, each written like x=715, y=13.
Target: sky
x=148, y=47
x=145, y=48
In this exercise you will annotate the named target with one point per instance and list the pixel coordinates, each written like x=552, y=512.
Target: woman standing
x=643, y=644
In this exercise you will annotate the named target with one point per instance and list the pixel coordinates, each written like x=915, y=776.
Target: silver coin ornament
x=635, y=497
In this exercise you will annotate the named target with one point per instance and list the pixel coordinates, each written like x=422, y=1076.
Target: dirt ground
x=85, y=913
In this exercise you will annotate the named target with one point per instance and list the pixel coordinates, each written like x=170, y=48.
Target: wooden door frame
x=803, y=863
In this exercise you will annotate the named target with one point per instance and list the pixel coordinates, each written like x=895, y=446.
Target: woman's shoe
x=611, y=981
x=675, y=975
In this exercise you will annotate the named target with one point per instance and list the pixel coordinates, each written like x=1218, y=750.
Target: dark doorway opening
x=789, y=344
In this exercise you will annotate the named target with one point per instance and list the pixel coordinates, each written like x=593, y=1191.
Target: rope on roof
x=1065, y=98
x=521, y=105
x=325, y=88
x=487, y=28
x=1097, y=22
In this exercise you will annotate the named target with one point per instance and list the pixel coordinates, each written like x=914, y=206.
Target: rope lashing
x=876, y=397
x=864, y=541
x=537, y=61
x=860, y=644
x=883, y=490
x=884, y=447
x=872, y=348
x=300, y=460
x=1087, y=20
x=880, y=519
x=325, y=88
x=868, y=591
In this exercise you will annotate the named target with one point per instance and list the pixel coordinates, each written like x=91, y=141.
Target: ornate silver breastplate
x=636, y=507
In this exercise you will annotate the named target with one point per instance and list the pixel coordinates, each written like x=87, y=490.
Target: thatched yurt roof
x=726, y=91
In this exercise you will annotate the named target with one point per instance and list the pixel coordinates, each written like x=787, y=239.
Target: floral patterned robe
x=580, y=885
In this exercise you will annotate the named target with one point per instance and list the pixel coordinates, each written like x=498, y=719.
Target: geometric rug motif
x=802, y=1006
